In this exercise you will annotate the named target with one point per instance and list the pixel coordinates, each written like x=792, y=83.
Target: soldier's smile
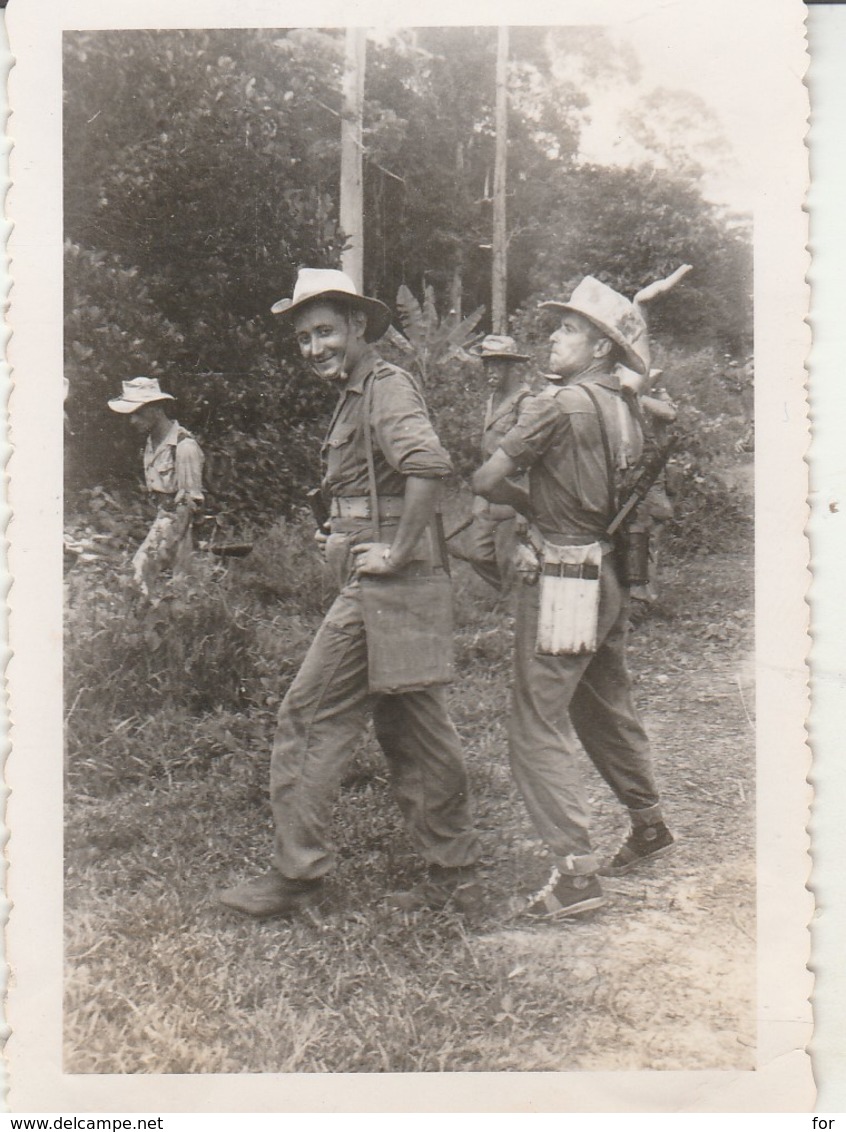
x=327, y=341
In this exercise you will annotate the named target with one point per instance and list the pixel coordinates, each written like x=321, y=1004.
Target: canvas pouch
x=408, y=624
x=569, y=600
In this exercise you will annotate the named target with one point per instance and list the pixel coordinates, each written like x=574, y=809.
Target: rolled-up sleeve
x=539, y=422
x=189, y=471
x=403, y=430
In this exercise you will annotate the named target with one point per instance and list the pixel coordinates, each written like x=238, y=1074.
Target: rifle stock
x=646, y=478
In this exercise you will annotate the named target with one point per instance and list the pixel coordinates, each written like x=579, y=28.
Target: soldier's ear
x=358, y=320
x=602, y=347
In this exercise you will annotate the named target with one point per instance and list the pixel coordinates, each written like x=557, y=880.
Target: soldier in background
x=658, y=414
x=489, y=543
x=173, y=472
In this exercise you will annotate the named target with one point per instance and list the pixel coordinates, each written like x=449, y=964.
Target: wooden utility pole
x=499, y=315
x=457, y=286
x=352, y=183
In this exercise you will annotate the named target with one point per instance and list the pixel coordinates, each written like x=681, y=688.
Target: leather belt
x=358, y=506
x=571, y=570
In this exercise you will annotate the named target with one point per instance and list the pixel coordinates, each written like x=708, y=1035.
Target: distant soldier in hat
x=658, y=413
x=380, y=451
x=489, y=543
x=570, y=451
x=173, y=471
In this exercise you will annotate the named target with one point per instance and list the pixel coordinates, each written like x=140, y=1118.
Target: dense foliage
x=202, y=170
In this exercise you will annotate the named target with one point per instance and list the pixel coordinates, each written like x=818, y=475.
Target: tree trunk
x=499, y=315
x=457, y=286
x=352, y=193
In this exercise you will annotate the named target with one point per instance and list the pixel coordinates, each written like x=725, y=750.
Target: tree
x=202, y=169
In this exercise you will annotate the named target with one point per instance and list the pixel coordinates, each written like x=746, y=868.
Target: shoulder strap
x=368, y=454
x=609, y=463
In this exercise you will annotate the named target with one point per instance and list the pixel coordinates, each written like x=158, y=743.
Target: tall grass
x=167, y=802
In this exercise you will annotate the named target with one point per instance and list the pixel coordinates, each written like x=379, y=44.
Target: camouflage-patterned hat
x=613, y=314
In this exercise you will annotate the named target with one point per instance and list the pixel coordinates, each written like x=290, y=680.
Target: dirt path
x=160, y=979
x=664, y=978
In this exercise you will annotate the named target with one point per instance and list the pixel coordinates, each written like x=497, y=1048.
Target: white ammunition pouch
x=569, y=599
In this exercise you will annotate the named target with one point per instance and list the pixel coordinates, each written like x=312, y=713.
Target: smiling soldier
x=383, y=467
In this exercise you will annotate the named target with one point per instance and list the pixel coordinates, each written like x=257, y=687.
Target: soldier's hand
x=321, y=538
x=373, y=558
x=526, y=564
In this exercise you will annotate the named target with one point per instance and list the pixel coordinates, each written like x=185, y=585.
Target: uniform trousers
x=559, y=699
x=319, y=723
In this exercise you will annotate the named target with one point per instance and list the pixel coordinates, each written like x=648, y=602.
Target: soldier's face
x=142, y=419
x=497, y=372
x=330, y=339
x=576, y=344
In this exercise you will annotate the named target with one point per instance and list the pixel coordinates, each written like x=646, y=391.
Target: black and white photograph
x=425, y=406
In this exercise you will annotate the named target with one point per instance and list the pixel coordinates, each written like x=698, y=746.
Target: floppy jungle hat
x=316, y=283
x=498, y=346
x=137, y=393
x=614, y=315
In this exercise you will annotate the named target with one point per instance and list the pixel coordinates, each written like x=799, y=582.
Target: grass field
x=167, y=805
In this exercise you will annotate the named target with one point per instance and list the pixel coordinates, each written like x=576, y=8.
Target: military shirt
x=501, y=418
x=175, y=467
x=558, y=439
x=404, y=441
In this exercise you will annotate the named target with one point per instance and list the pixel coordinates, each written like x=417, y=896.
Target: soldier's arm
x=421, y=497
x=189, y=471
x=492, y=482
x=521, y=446
x=410, y=445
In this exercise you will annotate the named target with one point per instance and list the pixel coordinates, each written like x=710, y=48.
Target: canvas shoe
x=565, y=894
x=272, y=894
x=644, y=843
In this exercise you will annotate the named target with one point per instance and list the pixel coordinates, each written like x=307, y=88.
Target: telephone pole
x=352, y=184
x=499, y=315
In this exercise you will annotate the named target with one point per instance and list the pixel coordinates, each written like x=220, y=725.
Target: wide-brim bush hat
x=137, y=393
x=317, y=283
x=614, y=315
x=498, y=346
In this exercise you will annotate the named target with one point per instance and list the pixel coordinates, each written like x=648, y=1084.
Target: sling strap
x=606, y=447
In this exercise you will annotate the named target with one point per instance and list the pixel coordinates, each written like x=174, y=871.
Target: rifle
x=318, y=508
x=644, y=480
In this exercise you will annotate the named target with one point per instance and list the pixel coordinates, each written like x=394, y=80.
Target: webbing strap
x=606, y=447
x=571, y=570
x=368, y=454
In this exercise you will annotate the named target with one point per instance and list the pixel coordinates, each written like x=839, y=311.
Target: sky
x=704, y=49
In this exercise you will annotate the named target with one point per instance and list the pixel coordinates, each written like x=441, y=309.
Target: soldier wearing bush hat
x=568, y=439
x=383, y=466
x=329, y=286
x=173, y=472
x=489, y=543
